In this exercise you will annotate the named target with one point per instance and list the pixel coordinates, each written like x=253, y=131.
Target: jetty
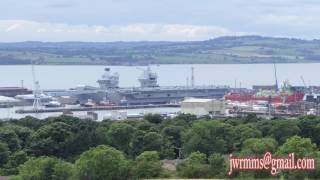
x=95, y=108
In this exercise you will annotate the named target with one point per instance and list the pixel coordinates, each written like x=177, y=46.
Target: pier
x=95, y=108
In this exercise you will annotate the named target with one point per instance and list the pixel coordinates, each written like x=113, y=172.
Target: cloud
x=23, y=30
x=13, y=27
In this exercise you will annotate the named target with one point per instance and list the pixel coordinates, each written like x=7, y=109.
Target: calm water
x=57, y=77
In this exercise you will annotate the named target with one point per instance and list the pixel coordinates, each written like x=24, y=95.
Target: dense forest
x=222, y=50
x=182, y=147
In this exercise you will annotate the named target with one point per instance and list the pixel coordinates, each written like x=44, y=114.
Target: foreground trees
x=45, y=168
x=301, y=147
x=198, y=165
x=102, y=162
x=209, y=137
x=120, y=132
x=70, y=148
x=4, y=153
x=51, y=140
x=11, y=167
x=194, y=166
x=147, y=165
x=258, y=146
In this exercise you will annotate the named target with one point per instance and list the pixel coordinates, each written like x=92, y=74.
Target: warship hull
x=142, y=96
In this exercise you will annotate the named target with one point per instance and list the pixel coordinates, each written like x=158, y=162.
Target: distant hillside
x=223, y=50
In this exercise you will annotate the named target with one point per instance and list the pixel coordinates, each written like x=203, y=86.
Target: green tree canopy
x=102, y=162
x=148, y=156
x=218, y=165
x=14, y=161
x=46, y=168
x=10, y=138
x=283, y=129
x=29, y=122
x=302, y=147
x=310, y=128
x=246, y=131
x=120, y=135
x=258, y=146
x=209, y=137
x=4, y=153
x=173, y=133
x=51, y=139
x=197, y=157
x=153, y=118
x=194, y=166
x=147, y=165
x=152, y=141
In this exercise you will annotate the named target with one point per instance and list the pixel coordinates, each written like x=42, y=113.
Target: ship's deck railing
x=58, y=92
x=174, y=88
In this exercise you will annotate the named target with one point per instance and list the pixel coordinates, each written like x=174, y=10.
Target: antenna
x=36, y=91
x=275, y=76
x=304, y=82
x=192, y=76
x=308, y=88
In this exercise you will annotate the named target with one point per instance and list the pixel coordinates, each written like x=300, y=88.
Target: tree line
x=70, y=148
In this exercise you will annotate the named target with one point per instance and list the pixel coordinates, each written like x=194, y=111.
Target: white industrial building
x=201, y=107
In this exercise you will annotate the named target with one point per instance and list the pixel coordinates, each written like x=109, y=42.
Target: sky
x=155, y=20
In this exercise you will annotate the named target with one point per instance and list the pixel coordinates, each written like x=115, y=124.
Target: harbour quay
x=96, y=108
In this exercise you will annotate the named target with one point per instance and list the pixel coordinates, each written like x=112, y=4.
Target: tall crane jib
x=192, y=77
x=275, y=76
x=37, y=91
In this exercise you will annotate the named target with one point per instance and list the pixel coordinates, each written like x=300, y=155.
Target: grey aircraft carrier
x=150, y=92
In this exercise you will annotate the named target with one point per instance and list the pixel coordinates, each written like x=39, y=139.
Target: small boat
x=106, y=104
x=53, y=104
x=90, y=103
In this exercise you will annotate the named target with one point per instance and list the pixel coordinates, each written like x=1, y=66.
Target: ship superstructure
x=148, y=79
x=109, y=80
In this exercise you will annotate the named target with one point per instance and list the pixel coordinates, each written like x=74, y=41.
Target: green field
x=223, y=50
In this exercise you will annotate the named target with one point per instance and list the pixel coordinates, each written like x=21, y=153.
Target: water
x=64, y=77
x=244, y=75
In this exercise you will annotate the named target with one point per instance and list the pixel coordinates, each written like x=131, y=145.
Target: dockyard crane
x=37, y=90
x=308, y=88
x=304, y=82
x=192, y=76
x=275, y=76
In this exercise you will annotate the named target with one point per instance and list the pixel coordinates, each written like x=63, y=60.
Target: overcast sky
x=173, y=20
